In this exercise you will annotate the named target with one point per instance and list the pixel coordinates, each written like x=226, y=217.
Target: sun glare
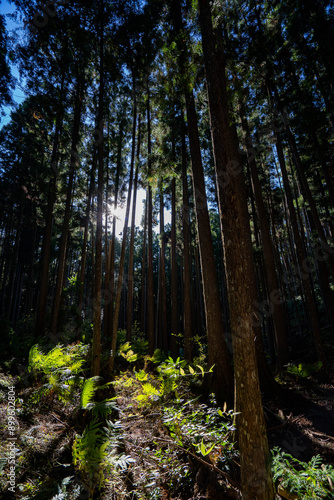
x=120, y=214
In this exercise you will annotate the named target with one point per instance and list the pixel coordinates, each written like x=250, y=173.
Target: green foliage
x=100, y=408
x=304, y=370
x=127, y=353
x=149, y=395
x=142, y=376
x=89, y=452
x=61, y=367
x=88, y=391
x=95, y=453
x=171, y=375
x=136, y=350
x=71, y=357
x=307, y=480
x=204, y=430
x=172, y=372
x=158, y=357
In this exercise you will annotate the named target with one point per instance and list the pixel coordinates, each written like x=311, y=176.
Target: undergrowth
x=183, y=434
x=61, y=369
x=307, y=480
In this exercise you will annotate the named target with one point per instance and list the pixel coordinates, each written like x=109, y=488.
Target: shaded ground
x=300, y=423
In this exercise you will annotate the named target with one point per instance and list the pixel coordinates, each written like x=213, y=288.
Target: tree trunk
x=66, y=220
x=174, y=277
x=162, y=279
x=125, y=229
x=256, y=477
x=150, y=290
x=82, y=269
x=327, y=250
x=129, y=321
x=276, y=299
x=143, y=294
x=97, y=299
x=222, y=380
x=187, y=321
x=46, y=245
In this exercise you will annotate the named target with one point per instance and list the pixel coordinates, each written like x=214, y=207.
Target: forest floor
x=154, y=456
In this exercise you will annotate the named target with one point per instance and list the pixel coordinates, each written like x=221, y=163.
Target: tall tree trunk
x=143, y=294
x=150, y=289
x=13, y=260
x=217, y=349
x=82, y=268
x=107, y=293
x=187, y=320
x=110, y=275
x=163, y=330
x=276, y=299
x=129, y=320
x=256, y=477
x=222, y=379
x=174, y=277
x=46, y=245
x=327, y=250
x=66, y=220
x=125, y=229
x=97, y=299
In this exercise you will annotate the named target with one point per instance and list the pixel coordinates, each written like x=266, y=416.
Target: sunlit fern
x=61, y=368
x=100, y=408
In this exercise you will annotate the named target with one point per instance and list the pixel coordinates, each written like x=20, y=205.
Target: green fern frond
x=56, y=358
x=77, y=366
x=88, y=391
x=104, y=408
x=35, y=358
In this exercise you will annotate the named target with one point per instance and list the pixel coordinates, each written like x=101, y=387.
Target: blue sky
x=13, y=28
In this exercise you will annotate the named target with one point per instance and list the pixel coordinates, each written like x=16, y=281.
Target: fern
x=103, y=408
x=88, y=391
x=307, y=480
x=99, y=409
x=150, y=395
x=89, y=452
x=60, y=368
x=96, y=452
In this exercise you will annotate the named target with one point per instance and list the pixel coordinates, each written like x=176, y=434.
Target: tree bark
x=275, y=297
x=82, y=269
x=46, y=245
x=129, y=320
x=222, y=380
x=174, y=277
x=143, y=277
x=110, y=268
x=97, y=299
x=256, y=477
x=187, y=320
x=150, y=290
x=123, y=248
x=162, y=281
x=67, y=214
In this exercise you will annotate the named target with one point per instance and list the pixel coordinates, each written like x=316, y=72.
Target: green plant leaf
x=201, y=368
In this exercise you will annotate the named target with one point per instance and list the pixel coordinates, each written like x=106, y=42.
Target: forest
x=166, y=250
